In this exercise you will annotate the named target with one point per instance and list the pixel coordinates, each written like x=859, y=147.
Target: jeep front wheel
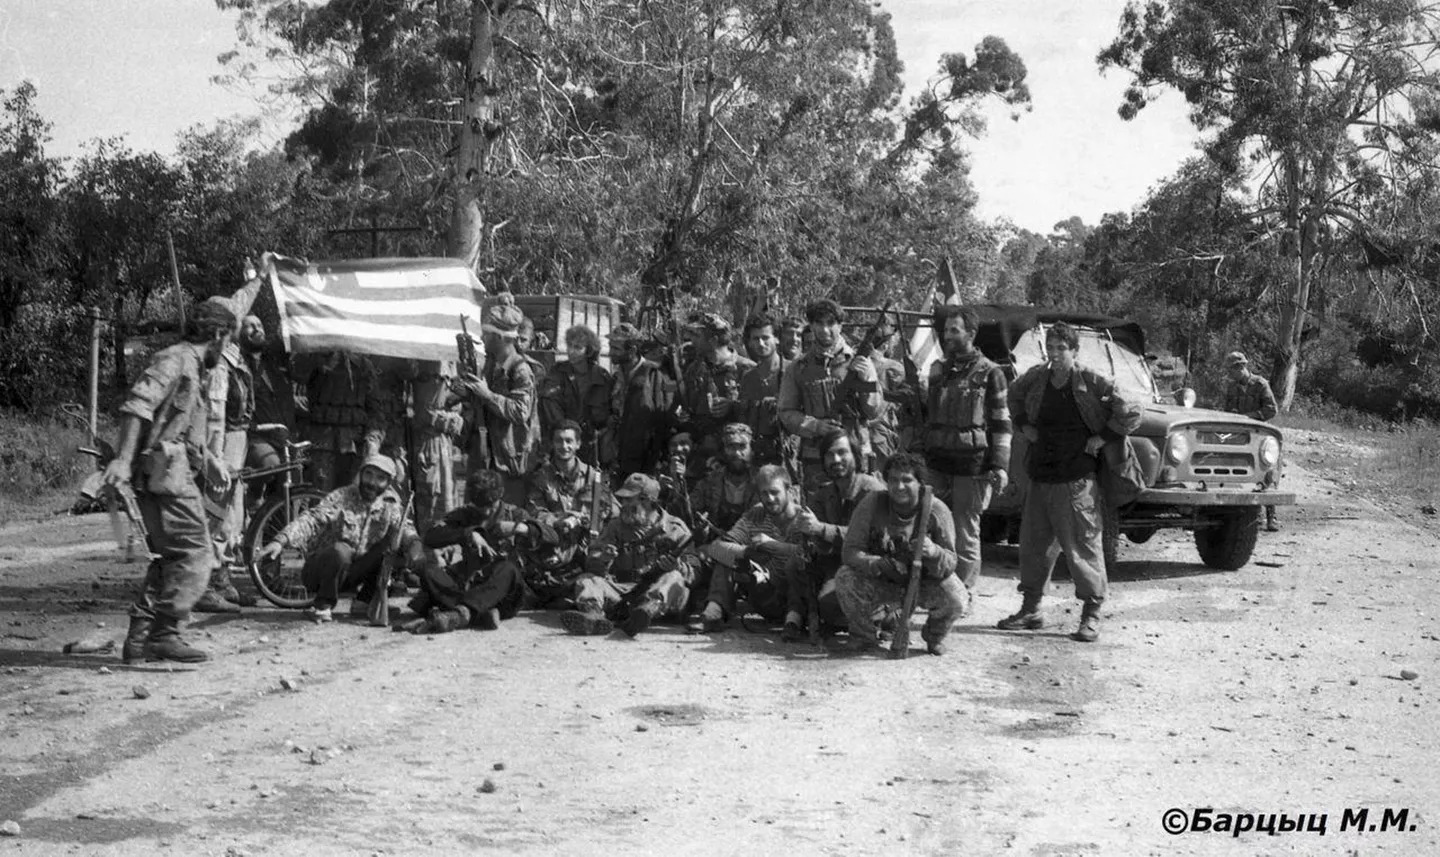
x=1229, y=543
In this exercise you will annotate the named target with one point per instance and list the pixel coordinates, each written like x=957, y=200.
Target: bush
x=45, y=357
x=40, y=468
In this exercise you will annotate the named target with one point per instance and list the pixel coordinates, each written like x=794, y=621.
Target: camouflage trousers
x=862, y=594
x=180, y=541
x=668, y=596
x=967, y=497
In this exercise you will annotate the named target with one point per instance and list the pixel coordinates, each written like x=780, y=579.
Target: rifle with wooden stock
x=379, y=612
x=900, y=643
x=852, y=388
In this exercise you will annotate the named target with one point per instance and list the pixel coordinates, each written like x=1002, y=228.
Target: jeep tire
x=1229, y=544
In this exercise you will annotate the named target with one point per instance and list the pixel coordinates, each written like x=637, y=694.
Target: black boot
x=1089, y=630
x=165, y=644
x=1028, y=618
x=134, y=649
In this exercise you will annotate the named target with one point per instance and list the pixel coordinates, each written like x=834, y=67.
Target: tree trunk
x=117, y=334
x=465, y=239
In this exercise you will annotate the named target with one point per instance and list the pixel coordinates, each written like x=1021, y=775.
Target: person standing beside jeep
x=1068, y=413
x=1250, y=395
x=967, y=431
x=162, y=451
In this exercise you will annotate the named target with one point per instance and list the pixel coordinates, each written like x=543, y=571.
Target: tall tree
x=1320, y=102
x=29, y=218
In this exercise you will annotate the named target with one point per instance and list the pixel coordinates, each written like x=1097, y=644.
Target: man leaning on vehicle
x=1250, y=395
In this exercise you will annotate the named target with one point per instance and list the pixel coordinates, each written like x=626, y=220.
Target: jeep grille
x=1221, y=464
x=1209, y=437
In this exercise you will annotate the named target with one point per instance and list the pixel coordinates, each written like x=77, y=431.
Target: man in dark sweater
x=1067, y=413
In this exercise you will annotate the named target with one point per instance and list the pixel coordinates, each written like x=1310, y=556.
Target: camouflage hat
x=736, y=432
x=624, y=332
x=504, y=318
x=709, y=321
x=639, y=485
x=383, y=463
x=1236, y=358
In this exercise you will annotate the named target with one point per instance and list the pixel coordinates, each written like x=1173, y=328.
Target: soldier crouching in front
x=487, y=585
x=346, y=536
x=879, y=545
x=635, y=572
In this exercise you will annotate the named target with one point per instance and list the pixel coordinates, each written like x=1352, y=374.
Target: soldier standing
x=807, y=401
x=161, y=451
x=712, y=382
x=346, y=420
x=760, y=388
x=504, y=401
x=1068, y=413
x=437, y=426
x=578, y=389
x=967, y=431
x=1249, y=394
x=640, y=403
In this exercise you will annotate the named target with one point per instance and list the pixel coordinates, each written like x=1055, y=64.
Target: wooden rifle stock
x=900, y=643
x=379, y=613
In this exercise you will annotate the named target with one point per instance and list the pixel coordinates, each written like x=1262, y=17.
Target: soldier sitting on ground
x=760, y=554
x=635, y=571
x=487, y=585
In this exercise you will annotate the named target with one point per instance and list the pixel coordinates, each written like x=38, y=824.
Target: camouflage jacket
x=345, y=517
x=875, y=538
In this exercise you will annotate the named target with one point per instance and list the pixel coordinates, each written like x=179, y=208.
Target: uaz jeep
x=1206, y=471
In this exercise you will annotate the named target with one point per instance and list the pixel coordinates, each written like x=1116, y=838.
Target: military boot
x=1089, y=630
x=214, y=602
x=1027, y=618
x=640, y=618
x=134, y=649
x=165, y=644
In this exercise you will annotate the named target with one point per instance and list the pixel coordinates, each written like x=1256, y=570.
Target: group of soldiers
x=810, y=478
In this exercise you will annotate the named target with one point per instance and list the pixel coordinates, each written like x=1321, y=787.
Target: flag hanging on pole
x=407, y=308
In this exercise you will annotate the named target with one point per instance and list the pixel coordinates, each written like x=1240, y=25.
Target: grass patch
x=1403, y=472
x=40, y=471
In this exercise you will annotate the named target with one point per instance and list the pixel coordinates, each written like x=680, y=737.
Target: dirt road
x=1275, y=689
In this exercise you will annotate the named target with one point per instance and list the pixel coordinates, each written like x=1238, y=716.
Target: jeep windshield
x=1098, y=351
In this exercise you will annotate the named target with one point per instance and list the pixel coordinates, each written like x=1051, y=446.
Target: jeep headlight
x=1270, y=451
x=1178, y=449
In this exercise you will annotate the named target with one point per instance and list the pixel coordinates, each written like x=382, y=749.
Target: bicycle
x=279, y=580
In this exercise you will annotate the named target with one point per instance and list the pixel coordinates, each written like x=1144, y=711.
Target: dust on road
x=1275, y=689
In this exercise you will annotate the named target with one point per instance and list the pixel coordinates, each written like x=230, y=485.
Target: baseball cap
x=639, y=485
x=1236, y=358
x=383, y=463
x=710, y=321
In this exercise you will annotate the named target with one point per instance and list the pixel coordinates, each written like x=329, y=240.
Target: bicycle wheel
x=279, y=579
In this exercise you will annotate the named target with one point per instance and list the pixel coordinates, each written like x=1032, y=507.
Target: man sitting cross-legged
x=765, y=549
x=635, y=570
x=346, y=536
x=487, y=584
x=877, y=553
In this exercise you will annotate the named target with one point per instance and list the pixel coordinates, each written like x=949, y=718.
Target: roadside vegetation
x=1401, y=467
x=40, y=469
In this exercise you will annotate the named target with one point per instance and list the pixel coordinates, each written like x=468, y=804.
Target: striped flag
x=408, y=308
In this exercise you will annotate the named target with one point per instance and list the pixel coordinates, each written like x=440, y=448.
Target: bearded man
x=346, y=536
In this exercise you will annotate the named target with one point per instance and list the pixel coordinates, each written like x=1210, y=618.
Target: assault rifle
x=379, y=612
x=467, y=357
x=845, y=403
